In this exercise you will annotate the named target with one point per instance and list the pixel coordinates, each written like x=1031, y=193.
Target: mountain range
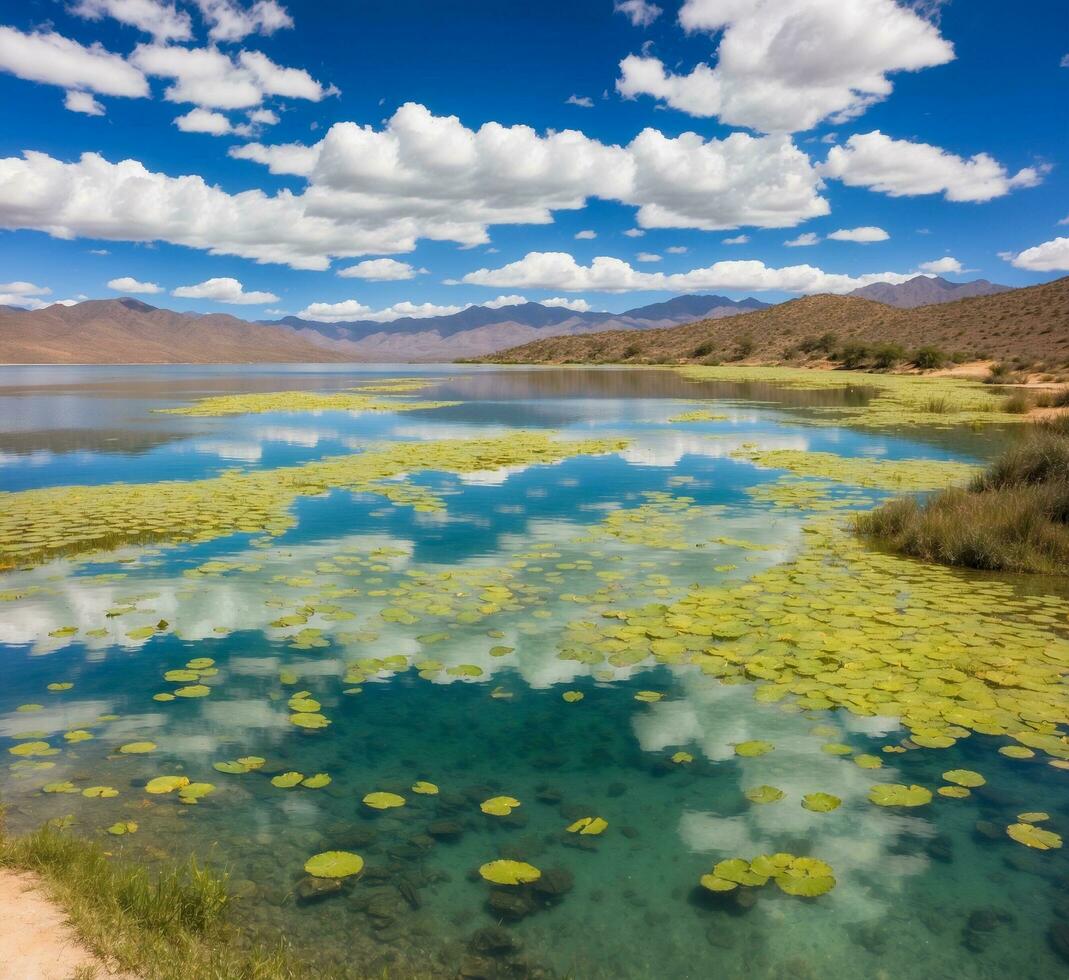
x=483, y=329
x=130, y=331
x=1032, y=323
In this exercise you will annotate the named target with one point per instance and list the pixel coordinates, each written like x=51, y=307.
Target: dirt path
x=36, y=943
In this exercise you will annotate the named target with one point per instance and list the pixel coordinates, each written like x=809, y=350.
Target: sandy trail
x=36, y=942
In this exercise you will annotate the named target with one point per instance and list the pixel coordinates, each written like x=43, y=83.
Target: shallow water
x=933, y=891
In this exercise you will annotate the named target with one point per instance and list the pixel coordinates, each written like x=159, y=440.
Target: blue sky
x=228, y=155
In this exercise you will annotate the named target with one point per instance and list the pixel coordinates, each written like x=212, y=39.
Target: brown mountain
x=1031, y=323
x=127, y=331
x=926, y=290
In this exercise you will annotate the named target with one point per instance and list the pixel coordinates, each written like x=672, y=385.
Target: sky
x=383, y=158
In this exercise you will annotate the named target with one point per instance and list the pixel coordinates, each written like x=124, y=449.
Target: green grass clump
x=1014, y=517
x=170, y=925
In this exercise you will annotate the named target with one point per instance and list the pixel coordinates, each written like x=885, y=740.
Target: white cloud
x=210, y=78
x=204, y=121
x=737, y=240
x=82, y=102
x=579, y=305
x=560, y=271
x=223, y=290
x=56, y=60
x=641, y=13
x=947, y=264
x=902, y=169
x=378, y=192
x=127, y=284
x=352, y=309
x=581, y=100
x=676, y=250
x=586, y=235
x=648, y=257
x=379, y=270
x=865, y=234
x=634, y=233
x=503, y=301
x=282, y=158
x=785, y=65
x=23, y=294
x=162, y=20
x=803, y=240
x=230, y=21
x=263, y=117
x=1052, y=256
x=99, y=251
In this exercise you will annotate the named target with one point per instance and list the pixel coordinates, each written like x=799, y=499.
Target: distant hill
x=127, y=331
x=926, y=290
x=1031, y=322
x=483, y=330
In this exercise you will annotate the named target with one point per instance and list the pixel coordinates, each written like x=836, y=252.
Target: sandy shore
x=36, y=943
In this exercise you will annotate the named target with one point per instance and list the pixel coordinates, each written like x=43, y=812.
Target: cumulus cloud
x=634, y=233
x=641, y=13
x=579, y=305
x=229, y=20
x=82, y=102
x=352, y=309
x=560, y=271
x=648, y=257
x=502, y=301
x=379, y=270
x=23, y=294
x=378, y=191
x=676, y=250
x=162, y=20
x=580, y=100
x=803, y=240
x=1052, y=256
x=901, y=168
x=785, y=65
x=128, y=284
x=737, y=240
x=224, y=290
x=586, y=234
x=865, y=234
x=204, y=121
x=947, y=264
x=212, y=79
x=56, y=60
x=263, y=117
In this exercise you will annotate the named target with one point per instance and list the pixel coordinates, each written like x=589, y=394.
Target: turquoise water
x=932, y=891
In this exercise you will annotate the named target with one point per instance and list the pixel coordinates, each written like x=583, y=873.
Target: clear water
x=928, y=892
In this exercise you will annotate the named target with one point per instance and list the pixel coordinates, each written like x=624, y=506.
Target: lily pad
x=334, y=864
x=753, y=748
x=194, y=793
x=764, y=794
x=287, y=780
x=499, y=806
x=1035, y=837
x=509, y=872
x=318, y=781
x=383, y=801
x=424, y=788
x=166, y=784
x=821, y=802
x=964, y=777
x=122, y=828
x=588, y=825
x=137, y=748
x=100, y=792
x=895, y=794
x=682, y=758
x=572, y=696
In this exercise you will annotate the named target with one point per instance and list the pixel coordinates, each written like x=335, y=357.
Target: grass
x=1012, y=518
x=167, y=926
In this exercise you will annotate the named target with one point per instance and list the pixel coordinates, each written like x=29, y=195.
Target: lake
x=609, y=624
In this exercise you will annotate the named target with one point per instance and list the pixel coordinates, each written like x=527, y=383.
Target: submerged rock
x=315, y=889
x=513, y=905
x=554, y=883
x=494, y=941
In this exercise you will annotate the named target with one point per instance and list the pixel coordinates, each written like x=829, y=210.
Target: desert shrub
x=886, y=356
x=853, y=354
x=929, y=358
x=703, y=349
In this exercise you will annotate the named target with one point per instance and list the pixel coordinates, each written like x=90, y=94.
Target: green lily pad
x=753, y=748
x=895, y=794
x=821, y=802
x=764, y=794
x=509, y=872
x=334, y=864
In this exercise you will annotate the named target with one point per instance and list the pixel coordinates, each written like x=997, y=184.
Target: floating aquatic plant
x=166, y=784
x=383, y=801
x=287, y=780
x=753, y=748
x=122, y=828
x=509, y=872
x=821, y=802
x=424, y=788
x=682, y=758
x=1034, y=837
x=251, y=403
x=802, y=876
x=588, y=825
x=499, y=806
x=334, y=864
x=964, y=777
x=137, y=748
x=318, y=781
x=895, y=794
x=100, y=792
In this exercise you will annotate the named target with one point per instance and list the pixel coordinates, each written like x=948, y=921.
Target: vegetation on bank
x=170, y=925
x=1014, y=517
